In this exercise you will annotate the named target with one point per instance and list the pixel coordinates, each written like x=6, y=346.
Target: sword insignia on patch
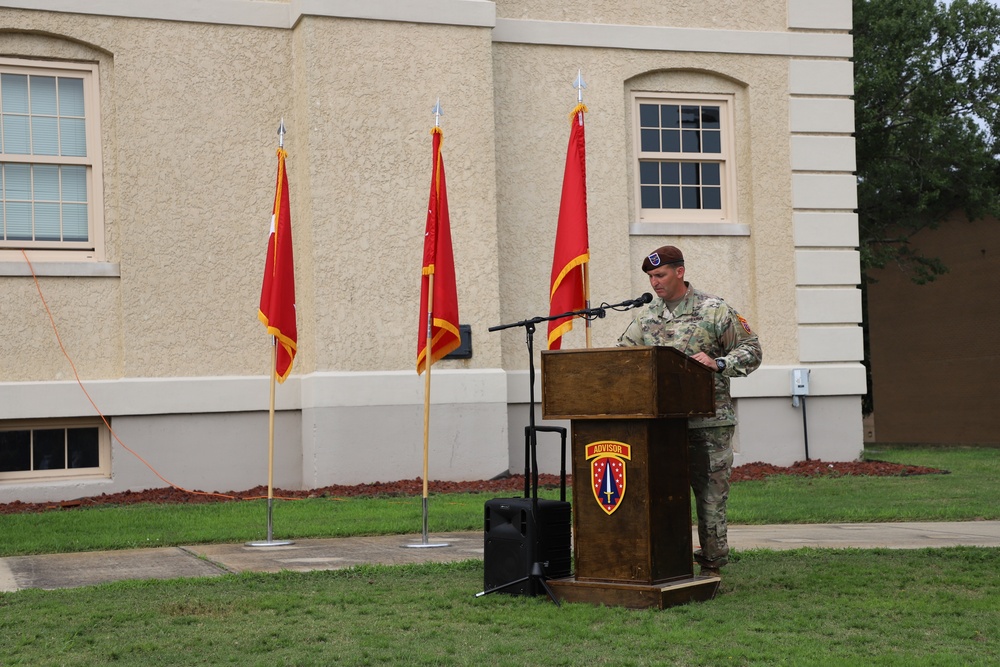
x=607, y=472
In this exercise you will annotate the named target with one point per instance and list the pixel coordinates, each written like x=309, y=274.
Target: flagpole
x=579, y=84
x=270, y=445
x=424, y=541
x=270, y=439
x=427, y=394
x=569, y=288
x=586, y=293
x=270, y=542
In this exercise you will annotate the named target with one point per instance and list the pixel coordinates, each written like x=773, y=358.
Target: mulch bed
x=414, y=487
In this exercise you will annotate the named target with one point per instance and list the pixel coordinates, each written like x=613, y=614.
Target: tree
x=927, y=125
x=927, y=99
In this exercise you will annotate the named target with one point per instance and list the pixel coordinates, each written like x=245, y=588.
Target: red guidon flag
x=277, y=296
x=572, y=247
x=440, y=308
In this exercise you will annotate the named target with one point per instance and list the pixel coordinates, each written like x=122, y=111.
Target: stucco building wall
x=165, y=324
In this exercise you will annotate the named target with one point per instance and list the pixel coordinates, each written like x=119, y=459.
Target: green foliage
x=927, y=91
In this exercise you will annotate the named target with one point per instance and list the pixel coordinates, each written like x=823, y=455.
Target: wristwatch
x=721, y=363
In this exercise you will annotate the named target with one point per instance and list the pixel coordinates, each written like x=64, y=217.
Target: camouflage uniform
x=705, y=323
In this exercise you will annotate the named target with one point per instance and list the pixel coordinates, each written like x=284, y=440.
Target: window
x=54, y=449
x=50, y=176
x=685, y=165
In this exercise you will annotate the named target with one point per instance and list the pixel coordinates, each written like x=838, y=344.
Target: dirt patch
x=513, y=485
x=758, y=471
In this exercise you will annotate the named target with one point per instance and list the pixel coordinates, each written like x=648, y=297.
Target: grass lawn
x=806, y=607
x=803, y=607
x=965, y=494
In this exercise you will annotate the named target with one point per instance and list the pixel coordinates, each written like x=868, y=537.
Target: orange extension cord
x=105, y=419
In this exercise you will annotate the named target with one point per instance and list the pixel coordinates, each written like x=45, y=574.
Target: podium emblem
x=607, y=472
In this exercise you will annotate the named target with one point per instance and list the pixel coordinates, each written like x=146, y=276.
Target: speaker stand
x=536, y=574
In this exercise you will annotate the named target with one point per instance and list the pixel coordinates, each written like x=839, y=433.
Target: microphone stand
x=529, y=331
x=529, y=335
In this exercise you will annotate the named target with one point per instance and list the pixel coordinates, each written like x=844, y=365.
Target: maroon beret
x=662, y=256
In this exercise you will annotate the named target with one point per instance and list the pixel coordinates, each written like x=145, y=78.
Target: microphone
x=642, y=300
x=629, y=303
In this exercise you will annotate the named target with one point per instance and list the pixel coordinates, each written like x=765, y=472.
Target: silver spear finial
x=437, y=113
x=579, y=84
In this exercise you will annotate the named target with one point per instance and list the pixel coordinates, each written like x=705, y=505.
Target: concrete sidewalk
x=209, y=560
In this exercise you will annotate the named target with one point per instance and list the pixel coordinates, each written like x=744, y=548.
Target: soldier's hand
x=705, y=360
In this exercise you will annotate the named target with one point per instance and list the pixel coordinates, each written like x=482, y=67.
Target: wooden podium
x=631, y=496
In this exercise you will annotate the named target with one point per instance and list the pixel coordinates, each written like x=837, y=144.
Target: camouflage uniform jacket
x=701, y=323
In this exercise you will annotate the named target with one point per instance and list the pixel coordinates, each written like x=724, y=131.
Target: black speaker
x=520, y=533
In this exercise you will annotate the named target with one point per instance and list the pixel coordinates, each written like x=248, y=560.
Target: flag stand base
x=270, y=542
x=424, y=545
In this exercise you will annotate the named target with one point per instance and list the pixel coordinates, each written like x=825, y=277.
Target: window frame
x=92, y=250
x=727, y=159
x=101, y=471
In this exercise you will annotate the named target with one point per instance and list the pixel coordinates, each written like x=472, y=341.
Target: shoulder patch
x=746, y=325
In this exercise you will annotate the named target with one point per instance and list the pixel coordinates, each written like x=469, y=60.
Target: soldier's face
x=668, y=281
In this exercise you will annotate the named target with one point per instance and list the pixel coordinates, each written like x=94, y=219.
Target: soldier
x=710, y=331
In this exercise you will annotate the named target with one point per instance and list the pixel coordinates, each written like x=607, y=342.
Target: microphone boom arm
x=586, y=313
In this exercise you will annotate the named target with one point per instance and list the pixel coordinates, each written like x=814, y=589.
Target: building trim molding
x=825, y=379
x=80, y=269
x=688, y=229
x=254, y=13
x=469, y=13
x=657, y=38
x=192, y=395
x=158, y=396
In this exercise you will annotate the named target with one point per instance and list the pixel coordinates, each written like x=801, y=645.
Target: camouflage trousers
x=710, y=454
